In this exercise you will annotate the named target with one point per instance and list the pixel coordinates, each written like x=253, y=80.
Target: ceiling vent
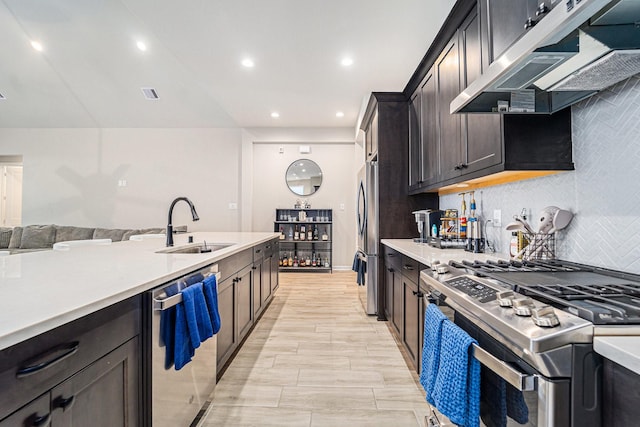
x=150, y=93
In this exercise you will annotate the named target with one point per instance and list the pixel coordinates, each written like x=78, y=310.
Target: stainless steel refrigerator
x=368, y=232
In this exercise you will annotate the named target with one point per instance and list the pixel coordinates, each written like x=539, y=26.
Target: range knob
x=523, y=306
x=545, y=316
x=434, y=265
x=442, y=269
x=505, y=299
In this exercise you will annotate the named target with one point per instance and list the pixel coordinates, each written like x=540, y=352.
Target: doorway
x=10, y=191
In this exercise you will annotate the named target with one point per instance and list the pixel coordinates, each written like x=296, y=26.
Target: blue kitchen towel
x=210, y=288
x=197, y=314
x=433, y=319
x=360, y=267
x=500, y=399
x=456, y=392
x=168, y=327
x=183, y=350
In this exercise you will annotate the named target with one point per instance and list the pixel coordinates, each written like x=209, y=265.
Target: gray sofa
x=42, y=237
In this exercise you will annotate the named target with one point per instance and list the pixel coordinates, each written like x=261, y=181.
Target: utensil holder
x=541, y=246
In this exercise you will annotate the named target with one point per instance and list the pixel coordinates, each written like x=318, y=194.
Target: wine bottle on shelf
x=326, y=262
x=308, y=262
x=313, y=260
x=290, y=233
x=325, y=236
x=302, y=262
x=295, y=260
x=296, y=234
x=284, y=260
x=303, y=233
x=290, y=261
x=309, y=233
x=281, y=233
x=315, y=233
x=280, y=259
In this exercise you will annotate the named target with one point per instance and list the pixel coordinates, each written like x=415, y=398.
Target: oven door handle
x=520, y=381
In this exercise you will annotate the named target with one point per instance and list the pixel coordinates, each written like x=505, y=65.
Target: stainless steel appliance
x=568, y=53
x=368, y=231
x=176, y=398
x=426, y=219
x=535, y=322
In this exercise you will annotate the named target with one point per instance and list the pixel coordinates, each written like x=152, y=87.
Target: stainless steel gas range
x=535, y=323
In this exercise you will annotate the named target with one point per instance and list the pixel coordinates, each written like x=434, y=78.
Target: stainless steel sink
x=197, y=248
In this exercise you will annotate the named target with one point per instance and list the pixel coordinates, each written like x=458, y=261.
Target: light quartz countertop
x=426, y=254
x=624, y=350
x=46, y=289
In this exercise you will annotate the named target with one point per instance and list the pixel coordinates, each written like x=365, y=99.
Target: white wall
x=71, y=175
x=333, y=150
x=603, y=191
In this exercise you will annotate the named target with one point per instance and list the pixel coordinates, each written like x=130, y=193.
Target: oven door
x=533, y=400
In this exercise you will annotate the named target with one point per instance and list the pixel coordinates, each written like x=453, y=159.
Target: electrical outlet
x=233, y=206
x=122, y=183
x=281, y=149
x=341, y=206
x=497, y=218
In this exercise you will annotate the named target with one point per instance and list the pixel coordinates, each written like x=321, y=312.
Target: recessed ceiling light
x=346, y=61
x=339, y=114
x=2, y=97
x=36, y=45
x=150, y=93
x=248, y=63
x=275, y=114
x=141, y=45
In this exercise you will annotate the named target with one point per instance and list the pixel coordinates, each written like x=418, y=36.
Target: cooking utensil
x=561, y=220
x=516, y=226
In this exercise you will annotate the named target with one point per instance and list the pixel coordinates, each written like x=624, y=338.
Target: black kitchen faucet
x=194, y=215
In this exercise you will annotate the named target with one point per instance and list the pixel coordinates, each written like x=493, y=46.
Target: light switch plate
x=233, y=206
x=497, y=218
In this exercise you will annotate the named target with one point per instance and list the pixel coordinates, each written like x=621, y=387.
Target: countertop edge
x=32, y=330
x=623, y=350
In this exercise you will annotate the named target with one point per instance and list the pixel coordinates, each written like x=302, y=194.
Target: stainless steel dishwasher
x=175, y=397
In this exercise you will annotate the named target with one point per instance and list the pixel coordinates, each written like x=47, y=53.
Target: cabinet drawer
x=58, y=354
x=392, y=259
x=411, y=269
x=234, y=263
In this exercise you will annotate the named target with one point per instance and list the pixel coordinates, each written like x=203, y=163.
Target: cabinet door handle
x=258, y=251
x=254, y=268
x=390, y=270
x=408, y=267
x=463, y=165
x=239, y=279
x=44, y=420
x=48, y=359
x=64, y=403
x=530, y=23
x=418, y=294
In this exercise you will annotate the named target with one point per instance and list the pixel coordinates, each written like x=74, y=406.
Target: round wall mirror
x=304, y=177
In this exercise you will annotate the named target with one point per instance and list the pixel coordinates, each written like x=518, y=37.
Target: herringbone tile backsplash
x=603, y=192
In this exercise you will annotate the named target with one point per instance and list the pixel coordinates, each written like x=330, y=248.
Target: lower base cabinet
x=84, y=373
x=248, y=281
x=404, y=307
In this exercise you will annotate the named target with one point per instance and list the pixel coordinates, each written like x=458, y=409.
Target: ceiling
x=90, y=72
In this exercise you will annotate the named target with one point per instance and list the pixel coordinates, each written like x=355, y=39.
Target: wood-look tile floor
x=316, y=359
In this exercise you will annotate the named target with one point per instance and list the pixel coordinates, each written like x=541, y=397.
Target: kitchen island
x=73, y=322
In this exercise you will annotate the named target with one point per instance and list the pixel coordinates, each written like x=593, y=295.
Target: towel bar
x=520, y=381
x=161, y=304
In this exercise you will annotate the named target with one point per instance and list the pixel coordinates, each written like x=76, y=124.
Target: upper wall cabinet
x=371, y=138
x=508, y=20
x=449, y=148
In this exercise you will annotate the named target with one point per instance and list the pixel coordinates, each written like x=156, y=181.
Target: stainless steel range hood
x=579, y=48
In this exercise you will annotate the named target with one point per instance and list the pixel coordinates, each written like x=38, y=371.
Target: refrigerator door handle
x=362, y=216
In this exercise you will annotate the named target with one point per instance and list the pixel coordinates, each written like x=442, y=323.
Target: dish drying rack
x=536, y=246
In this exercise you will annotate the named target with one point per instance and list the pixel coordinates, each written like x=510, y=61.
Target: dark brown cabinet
x=249, y=281
x=508, y=20
x=244, y=311
x=447, y=88
x=86, y=372
x=104, y=394
x=403, y=305
x=387, y=117
x=460, y=147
